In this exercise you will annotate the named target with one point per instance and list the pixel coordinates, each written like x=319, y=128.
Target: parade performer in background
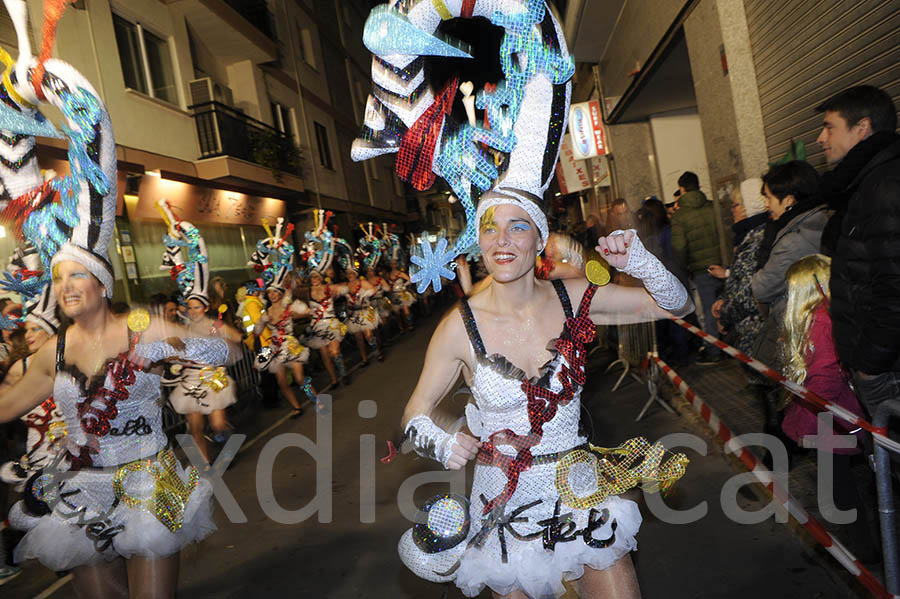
x=45, y=423
x=401, y=297
x=363, y=318
x=274, y=326
x=199, y=392
x=102, y=370
x=370, y=254
x=525, y=529
x=325, y=332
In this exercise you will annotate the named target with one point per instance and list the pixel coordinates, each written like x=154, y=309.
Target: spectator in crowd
x=794, y=232
x=620, y=217
x=655, y=231
x=695, y=244
x=858, y=137
x=594, y=231
x=811, y=361
x=672, y=206
x=736, y=310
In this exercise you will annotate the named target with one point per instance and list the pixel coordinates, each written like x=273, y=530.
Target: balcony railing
x=224, y=131
x=256, y=12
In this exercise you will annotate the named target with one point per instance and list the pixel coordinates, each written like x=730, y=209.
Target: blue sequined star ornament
x=432, y=265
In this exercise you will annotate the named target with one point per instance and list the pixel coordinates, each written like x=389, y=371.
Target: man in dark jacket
x=859, y=136
x=695, y=244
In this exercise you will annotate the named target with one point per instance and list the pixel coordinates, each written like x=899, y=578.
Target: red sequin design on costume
x=542, y=403
x=319, y=313
x=416, y=155
x=20, y=208
x=281, y=328
x=100, y=406
x=176, y=270
x=353, y=296
x=41, y=422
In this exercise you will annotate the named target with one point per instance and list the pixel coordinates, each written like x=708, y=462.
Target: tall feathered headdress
x=369, y=250
x=186, y=257
x=23, y=276
x=507, y=155
x=323, y=248
x=64, y=218
x=274, y=255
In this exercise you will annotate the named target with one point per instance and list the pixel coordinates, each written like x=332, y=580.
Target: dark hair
x=619, y=202
x=796, y=178
x=690, y=181
x=863, y=101
x=654, y=214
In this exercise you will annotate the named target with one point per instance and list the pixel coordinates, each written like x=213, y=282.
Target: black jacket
x=865, y=271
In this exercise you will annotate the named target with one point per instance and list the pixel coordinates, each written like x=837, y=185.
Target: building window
x=305, y=42
x=322, y=142
x=146, y=61
x=283, y=119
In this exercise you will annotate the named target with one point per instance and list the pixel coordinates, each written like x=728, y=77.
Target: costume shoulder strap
x=563, y=296
x=471, y=327
x=584, y=307
x=61, y=348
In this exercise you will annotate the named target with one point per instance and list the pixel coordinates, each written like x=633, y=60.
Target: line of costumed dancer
x=198, y=391
x=544, y=505
x=113, y=505
x=273, y=327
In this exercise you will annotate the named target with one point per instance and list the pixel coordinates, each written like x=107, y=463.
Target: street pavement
x=354, y=555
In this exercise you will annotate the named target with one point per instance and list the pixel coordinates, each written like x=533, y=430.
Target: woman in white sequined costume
x=202, y=392
x=379, y=299
x=325, y=332
x=281, y=350
x=364, y=318
x=125, y=508
x=401, y=297
x=526, y=414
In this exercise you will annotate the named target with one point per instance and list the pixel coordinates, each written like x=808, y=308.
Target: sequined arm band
x=430, y=440
x=210, y=351
x=662, y=285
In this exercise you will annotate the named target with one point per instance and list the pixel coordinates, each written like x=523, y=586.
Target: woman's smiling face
x=77, y=290
x=509, y=242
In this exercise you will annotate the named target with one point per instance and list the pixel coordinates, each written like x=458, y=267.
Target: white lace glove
x=429, y=440
x=662, y=285
x=212, y=351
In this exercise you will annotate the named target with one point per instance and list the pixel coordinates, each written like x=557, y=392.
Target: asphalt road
x=352, y=553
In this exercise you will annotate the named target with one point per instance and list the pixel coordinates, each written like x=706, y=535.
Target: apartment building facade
x=232, y=110
x=722, y=87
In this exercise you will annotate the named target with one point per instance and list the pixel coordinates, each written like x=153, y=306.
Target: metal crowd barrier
x=886, y=513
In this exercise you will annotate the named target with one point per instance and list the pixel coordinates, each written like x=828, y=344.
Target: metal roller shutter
x=806, y=50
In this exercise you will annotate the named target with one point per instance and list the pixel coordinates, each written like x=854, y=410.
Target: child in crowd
x=812, y=362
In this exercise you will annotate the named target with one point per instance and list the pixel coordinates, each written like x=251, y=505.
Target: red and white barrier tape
x=764, y=476
x=879, y=433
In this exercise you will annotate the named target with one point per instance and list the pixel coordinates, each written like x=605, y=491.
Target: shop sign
x=201, y=204
x=573, y=174
x=586, y=129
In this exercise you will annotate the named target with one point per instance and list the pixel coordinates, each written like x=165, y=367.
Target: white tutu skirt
x=273, y=359
x=322, y=332
x=529, y=566
x=88, y=526
x=193, y=395
x=363, y=320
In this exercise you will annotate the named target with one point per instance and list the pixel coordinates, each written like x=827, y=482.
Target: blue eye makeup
x=520, y=227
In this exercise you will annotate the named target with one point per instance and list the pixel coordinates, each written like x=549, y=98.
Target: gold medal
x=597, y=273
x=138, y=320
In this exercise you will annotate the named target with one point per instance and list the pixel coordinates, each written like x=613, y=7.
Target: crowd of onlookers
x=812, y=283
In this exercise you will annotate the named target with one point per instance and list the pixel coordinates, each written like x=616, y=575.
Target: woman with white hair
x=736, y=309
